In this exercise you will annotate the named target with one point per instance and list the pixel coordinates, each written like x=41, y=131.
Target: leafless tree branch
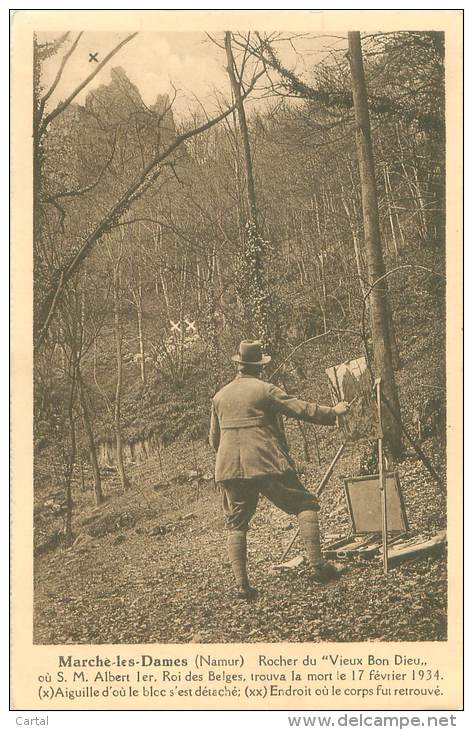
x=117, y=210
x=59, y=74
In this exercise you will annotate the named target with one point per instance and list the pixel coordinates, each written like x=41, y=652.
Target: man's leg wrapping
x=310, y=534
x=236, y=544
x=240, y=498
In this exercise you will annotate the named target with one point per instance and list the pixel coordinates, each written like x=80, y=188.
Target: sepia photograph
x=239, y=334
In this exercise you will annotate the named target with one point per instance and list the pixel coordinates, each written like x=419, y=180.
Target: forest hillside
x=160, y=243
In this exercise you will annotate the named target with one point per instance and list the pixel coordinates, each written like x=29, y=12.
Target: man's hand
x=341, y=408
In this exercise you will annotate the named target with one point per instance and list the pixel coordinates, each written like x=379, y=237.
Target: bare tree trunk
x=199, y=285
x=218, y=271
x=376, y=269
x=94, y=360
x=414, y=186
x=118, y=391
x=390, y=212
x=98, y=494
x=236, y=89
x=359, y=267
x=356, y=248
x=139, y=316
x=209, y=322
x=182, y=314
x=315, y=206
x=137, y=294
x=396, y=358
x=238, y=178
x=256, y=296
x=164, y=287
x=72, y=458
x=437, y=198
x=159, y=275
x=394, y=208
x=421, y=206
x=323, y=284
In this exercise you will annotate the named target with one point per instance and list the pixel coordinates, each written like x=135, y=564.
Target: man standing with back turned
x=253, y=459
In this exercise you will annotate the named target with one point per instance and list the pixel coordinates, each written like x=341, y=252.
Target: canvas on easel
x=350, y=381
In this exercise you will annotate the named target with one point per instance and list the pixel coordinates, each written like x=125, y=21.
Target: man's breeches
x=240, y=497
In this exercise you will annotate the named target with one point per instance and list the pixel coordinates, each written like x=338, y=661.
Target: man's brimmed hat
x=251, y=353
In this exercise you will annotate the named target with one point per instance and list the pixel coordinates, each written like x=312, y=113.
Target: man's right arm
x=293, y=407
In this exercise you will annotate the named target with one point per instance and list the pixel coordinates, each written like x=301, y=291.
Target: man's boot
x=321, y=572
x=236, y=544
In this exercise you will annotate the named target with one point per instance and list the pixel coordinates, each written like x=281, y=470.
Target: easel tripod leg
x=318, y=492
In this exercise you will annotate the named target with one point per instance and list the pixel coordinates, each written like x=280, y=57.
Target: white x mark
x=190, y=326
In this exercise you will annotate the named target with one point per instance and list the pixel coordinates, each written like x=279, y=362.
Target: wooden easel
x=326, y=476
x=382, y=481
x=318, y=491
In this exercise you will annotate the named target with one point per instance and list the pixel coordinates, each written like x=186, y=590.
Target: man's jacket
x=246, y=427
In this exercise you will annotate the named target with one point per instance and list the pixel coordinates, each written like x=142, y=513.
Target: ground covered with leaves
x=150, y=566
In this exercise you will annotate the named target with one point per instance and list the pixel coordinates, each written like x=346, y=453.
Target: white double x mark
x=190, y=326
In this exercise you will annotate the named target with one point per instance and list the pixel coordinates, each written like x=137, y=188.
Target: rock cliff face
x=100, y=147
x=119, y=105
